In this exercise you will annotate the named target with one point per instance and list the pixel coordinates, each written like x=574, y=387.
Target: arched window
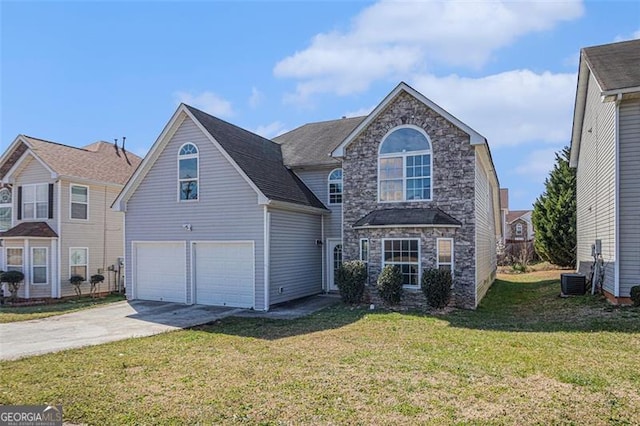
x=5, y=209
x=404, y=165
x=335, y=186
x=188, y=170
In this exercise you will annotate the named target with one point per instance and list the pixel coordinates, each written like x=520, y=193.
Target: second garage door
x=160, y=271
x=224, y=273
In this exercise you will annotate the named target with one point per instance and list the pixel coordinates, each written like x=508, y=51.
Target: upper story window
x=5, y=209
x=79, y=202
x=519, y=229
x=335, y=187
x=188, y=170
x=35, y=201
x=404, y=166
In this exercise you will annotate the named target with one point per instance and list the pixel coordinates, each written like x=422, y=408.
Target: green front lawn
x=524, y=357
x=24, y=313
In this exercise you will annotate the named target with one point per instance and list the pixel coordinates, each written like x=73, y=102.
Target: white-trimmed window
x=35, y=201
x=79, y=196
x=15, y=261
x=39, y=270
x=405, y=253
x=404, y=165
x=78, y=261
x=364, y=251
x=6, y=209
x=335, y=186
x=519, y=229
x=445, y=254
x=188, y=171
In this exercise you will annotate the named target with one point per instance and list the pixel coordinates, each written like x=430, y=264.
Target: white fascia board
x=8, y=178
x=283, y=205
x=475, y=137
x=119, y=204
x=578, y=111
x=19, y=139
x=613, y=95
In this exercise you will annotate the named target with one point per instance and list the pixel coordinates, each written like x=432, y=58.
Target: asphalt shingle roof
x=615, y=66
x=312, y=144
x=407, y=217
x=260, y=159
x=99, y=161
x=30, y=229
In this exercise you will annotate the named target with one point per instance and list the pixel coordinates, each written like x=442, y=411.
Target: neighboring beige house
x=55, y=216
x=517, y=224
x=605, y=149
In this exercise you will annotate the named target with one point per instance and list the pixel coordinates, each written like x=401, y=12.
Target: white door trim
x=331, y=243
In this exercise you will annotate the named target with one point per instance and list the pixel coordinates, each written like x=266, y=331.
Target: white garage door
x=160, y=271
x=224, y=273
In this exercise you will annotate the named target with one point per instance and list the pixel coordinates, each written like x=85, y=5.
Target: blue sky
x=77, y=72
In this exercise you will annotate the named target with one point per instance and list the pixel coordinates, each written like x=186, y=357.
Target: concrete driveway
x=102, y=324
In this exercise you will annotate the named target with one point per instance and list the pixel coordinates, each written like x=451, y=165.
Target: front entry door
x=334, y=254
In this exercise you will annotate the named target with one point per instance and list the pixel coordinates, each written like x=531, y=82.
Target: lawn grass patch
x=515, y=360
x=25, y=313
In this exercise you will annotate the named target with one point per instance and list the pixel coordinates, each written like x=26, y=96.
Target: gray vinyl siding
x=596, y=186
x=32, y=172
x=295, y=258
x=629, y=214
x=485, y=228
x=227, y=209
x=317, y=181
x=102, y=234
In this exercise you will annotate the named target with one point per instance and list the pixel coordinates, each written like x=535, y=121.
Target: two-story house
x=218, y=215
x=605, y=150
x=516, y=224
x=55, y=216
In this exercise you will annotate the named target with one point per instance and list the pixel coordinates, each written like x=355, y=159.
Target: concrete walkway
x=123, y=320
x=116, y=321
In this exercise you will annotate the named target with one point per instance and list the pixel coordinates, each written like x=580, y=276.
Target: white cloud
x=360, y=112
x=510, y=108
x=537, y=165
x=633, y=36
x=256, y=98
x=208, y=102
x=271, y=130
x=391, y=38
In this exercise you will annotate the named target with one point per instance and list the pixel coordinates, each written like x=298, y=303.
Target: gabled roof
x=615, y=66
x=260, y=159
x=257, y=160
x=514, y=215
x=415, y=217
x=312, y=143
x=616, y=69
x=30, y=229
x=475, y=137
x=98, y=162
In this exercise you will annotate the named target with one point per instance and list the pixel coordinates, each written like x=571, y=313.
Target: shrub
x=77, y=280
x=13, y=280
x=389, y=284
x=350, y=278
x=635, y=295
x=436, y=286
x=94, y=281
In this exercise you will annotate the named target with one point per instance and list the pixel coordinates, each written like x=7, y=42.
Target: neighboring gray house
x=605, y=149
x=218, y=215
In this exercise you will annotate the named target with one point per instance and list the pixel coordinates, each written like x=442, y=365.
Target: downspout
x=58, y=280
x=616, y=206
x=322, y=249
x=267, y=247
x=104, y=232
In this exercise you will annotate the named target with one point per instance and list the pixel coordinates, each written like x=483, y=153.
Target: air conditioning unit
x=573, y=284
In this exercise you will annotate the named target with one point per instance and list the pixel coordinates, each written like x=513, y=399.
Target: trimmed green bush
x=351, y=277
x=635, y=295
x=436, y=286
x=77, y=280
x=389, y=284
x=13, y=280
x=94, y=281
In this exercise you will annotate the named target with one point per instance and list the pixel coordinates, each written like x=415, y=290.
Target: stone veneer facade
x=452, y=181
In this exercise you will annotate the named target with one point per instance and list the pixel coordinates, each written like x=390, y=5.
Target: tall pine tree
x=554, y=214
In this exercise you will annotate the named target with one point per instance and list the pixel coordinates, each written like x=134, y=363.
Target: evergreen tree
x=554, y=214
